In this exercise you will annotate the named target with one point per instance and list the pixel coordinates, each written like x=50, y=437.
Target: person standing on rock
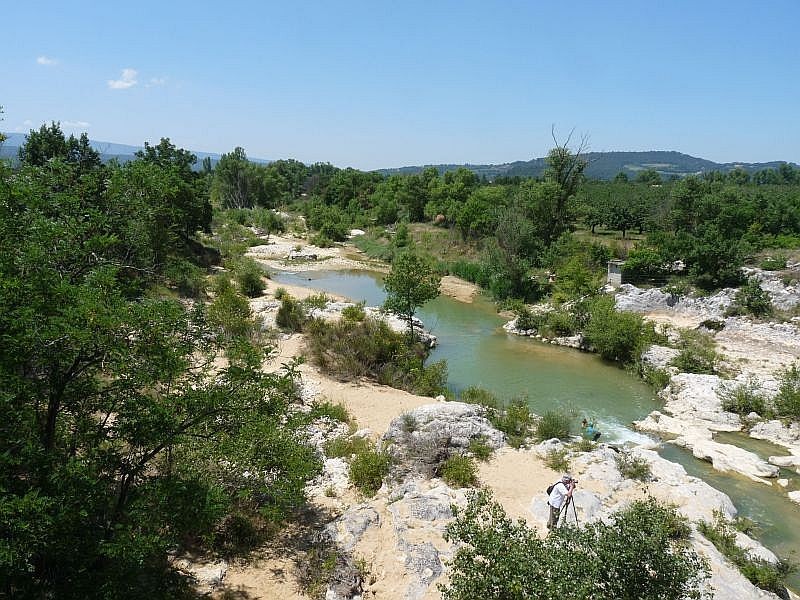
x=559, y=494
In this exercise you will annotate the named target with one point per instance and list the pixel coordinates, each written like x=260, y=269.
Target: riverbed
x=479, y=352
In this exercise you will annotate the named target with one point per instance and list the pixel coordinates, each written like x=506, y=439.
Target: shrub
x=697, y=354
x=188, y=278
x=321, y=241
x=760, y=573
x=751, y=299
x=345, y=447
x=553, y=424
x=558, y=323
x=370, y=348
x=633, y=467
x=236, y=534
x=231, y=313
x=787, y=402
x=557, y=460
x=584, y=445
x=291, y=315
x=477, y=395
x=515, y=420
x=459, y=471
x=354, y=312
x=249, y=277
x=526, y=319
x=619, y=336
x=281, y=293
x=774, y=263
x=319, y=301
x=643, y=264
x=408, y=423
x=367, y=470
x=337, y=412
x=743, y=399
x=657, y=378
x=479, y=448
x=641, y=552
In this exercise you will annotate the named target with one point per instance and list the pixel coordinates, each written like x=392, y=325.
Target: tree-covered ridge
x=603, y=165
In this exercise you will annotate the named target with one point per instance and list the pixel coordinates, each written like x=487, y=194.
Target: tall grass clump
x=553, y=424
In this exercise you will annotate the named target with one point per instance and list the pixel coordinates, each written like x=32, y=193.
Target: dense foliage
x=643, y=552
x=123, y=438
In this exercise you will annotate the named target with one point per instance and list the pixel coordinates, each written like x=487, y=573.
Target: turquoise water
x=479, y=352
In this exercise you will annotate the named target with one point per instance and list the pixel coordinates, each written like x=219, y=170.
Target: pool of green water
x=479, y=352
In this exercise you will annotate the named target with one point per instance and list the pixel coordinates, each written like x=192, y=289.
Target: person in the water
x=590, y=432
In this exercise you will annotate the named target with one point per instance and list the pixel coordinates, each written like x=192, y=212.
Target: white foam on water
x=619, y=433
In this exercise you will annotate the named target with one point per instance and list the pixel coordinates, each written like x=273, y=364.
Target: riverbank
x=401, y=542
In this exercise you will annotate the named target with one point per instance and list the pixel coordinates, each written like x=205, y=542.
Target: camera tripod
x=562, y=515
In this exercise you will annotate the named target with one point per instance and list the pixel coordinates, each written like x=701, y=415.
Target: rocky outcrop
x=726, y=457
x=784, y=297
x=456, y=422
x=660, y=357
x=653, y=300
x=577, y=341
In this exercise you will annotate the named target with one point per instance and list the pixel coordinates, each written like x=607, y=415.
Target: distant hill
x=605, y=165
x=108, y=150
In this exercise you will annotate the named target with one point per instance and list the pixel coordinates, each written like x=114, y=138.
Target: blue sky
x=381, y=84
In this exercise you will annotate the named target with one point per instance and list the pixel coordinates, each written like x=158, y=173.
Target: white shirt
x=558, y=495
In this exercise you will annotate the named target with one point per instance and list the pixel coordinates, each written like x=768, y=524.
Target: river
x=479, y=352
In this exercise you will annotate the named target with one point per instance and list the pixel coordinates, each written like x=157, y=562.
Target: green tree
x=411, y=282
x=642, y=553
x=238, y=183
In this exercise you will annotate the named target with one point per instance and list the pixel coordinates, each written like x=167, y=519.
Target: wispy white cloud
x=157, y=81
x=46, y=61
x=81, y=124
x=127, y=80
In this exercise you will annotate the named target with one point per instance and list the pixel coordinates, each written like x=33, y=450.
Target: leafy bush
x=188, y=278
x=459, y=471
x=743, y=399
x=760, y=573
x=231, y=313
x=354, y=312
x=337, y=412
x=643, y=552
x=477, y=395
x=619, y=336
x=633, y=467
x=291, y=315
x=643, y=264
x=249, y=277
x=553, y=424
x=479, y=448
x=515, y=420
x=751, y=299
x=657, y=378
x=321, y=241
x=319, y=301
x=526, y=319
x=367, y=470
x=787, y=402
x=585, y=445
x=408, y=423
x=697, y=354
x=558, y=323
x=281, y=293
x=370, y=348
x=345, y=447
x=557, y=460
x=774, y=263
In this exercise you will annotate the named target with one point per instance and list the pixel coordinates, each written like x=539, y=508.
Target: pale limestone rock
x=785, y=461
x=457, y=421
x=725, y=457
x=783, y=483
x=206, y=574
x=795, y=496
x=754, y=549
x=659, y=357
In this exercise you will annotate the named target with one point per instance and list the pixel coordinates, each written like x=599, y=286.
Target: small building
x=614, y=277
